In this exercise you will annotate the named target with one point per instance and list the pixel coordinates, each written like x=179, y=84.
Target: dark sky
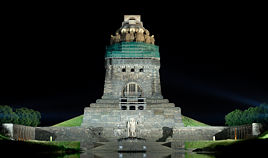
x=212, y=56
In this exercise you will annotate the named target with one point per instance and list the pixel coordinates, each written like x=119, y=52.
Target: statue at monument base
x=131, y=128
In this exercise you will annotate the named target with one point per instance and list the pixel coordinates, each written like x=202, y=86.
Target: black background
x=213, y=56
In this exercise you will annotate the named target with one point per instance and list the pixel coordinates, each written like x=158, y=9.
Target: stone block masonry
x=154, y=116
x=132, y=104
x=89, y=135
x=143, y=72
x=196, y=133
x=132, y=89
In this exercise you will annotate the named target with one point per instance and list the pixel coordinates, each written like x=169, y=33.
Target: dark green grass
x=242, y=148
x=76, y=121
x=3, y=137
x=204, y=144
x=65, y=144
x=189, y=122
x=264, y=135
x=37, y=148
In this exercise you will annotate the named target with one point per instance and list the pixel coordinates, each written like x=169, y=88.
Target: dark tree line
x=258, y=114
x=22, y=116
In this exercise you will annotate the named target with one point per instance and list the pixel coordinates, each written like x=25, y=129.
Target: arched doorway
x=132, y=89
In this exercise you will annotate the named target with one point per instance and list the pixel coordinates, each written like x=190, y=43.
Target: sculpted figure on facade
x=123, y=35
x=117, y=38
x=131, y=128
x=123, y=31
x=112, y=39
x=127, y=37
x=147, y=37
x=140, y=36
x=152, y=39
x=132, y=33
x=132, y=36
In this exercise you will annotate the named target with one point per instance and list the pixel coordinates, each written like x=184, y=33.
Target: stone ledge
x=105, y=105
x=107, y=101
x=157, y=101
x=92, y=134
x=148, y=100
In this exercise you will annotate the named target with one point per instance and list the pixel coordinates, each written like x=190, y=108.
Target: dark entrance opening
x=140, y=107
x=123, y=107
x=132, y=108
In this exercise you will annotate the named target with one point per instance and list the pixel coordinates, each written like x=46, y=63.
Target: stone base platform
x=157, y=114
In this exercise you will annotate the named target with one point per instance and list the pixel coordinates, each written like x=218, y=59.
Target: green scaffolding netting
x=132, y=50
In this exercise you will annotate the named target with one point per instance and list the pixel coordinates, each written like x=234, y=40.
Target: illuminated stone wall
x=143, y=72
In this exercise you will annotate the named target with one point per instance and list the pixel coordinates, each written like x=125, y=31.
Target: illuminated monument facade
x=132, y=113
x=132, y=90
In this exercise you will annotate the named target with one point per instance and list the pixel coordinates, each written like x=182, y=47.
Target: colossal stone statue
x=132, y=37
x=117, y=38
x=123, y=35
x=131, y=127
x=140, y=36
x=127, y=37
x=112, y=40
x=147, y=38
x=132, y=31
x=152, y=39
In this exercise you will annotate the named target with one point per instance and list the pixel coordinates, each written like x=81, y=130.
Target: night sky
x=212, y=58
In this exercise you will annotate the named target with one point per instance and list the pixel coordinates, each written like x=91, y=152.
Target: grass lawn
x=76, y=121
x=189, y=122
x=34, y=148
x=3, y=137
x=264, y=135
x=65, y=144
x=204, y=144
x=231, y=148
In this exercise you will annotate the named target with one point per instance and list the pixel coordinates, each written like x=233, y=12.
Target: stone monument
x=132, y=116
x=132, y=104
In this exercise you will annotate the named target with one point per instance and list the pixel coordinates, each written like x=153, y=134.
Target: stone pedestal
x=150, y=121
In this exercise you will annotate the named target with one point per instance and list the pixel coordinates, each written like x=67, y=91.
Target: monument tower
x=132, y=90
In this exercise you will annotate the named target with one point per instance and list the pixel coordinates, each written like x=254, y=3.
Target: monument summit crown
x=132, y=30
x=133, y=19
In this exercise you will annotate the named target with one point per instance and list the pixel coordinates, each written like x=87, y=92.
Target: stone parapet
x=104, y=105
x=88, y=135
x=154, y=116
x=157, y=101
x=196, y=133
x=116, y=106
x=148, y=100
x=108, y=101
x=164, y=105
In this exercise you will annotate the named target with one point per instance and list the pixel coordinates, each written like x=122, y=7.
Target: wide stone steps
x=116, y=101
x=116, y=105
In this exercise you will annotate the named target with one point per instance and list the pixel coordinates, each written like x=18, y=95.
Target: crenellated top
x=132, y=30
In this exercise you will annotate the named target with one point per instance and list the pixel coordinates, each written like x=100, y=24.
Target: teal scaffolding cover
x=132, y=50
